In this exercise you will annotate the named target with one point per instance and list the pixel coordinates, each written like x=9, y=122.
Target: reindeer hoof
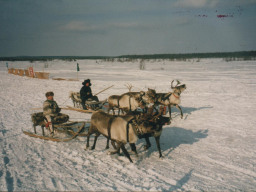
x=146, y=147
x=112, y=152
x=86, y=148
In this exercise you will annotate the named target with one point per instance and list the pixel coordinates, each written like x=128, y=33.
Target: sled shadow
x=173, y=137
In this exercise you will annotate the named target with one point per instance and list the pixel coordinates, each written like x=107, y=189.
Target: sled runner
x=61, y=126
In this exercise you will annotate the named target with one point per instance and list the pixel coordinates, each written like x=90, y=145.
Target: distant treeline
x=245, y=55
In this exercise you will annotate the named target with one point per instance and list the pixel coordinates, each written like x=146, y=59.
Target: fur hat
x=50, y=93
x=87, y=81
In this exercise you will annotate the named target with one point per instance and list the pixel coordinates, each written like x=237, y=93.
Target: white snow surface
x=211, y=149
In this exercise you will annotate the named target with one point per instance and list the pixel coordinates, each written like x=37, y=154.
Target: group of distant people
x=51, y=110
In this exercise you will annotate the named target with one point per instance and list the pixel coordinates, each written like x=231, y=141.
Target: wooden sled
x=70, y=129
x=91, y=105
x=74, y=135
x=95, y=105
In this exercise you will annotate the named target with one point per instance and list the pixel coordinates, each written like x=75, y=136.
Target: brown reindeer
x=113, y=103
x=120, y=129
x=158, y=121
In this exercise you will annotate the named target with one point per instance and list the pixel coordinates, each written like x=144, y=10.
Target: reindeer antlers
x=129, y=86
x=178, y=82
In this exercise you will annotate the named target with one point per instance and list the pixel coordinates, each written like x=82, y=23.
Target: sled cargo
x=69, y=129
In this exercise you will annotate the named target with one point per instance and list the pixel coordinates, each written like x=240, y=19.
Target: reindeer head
x=141, y=124
x=141, y=102
x=150, y=124
x=178, y=87
x=149, y=96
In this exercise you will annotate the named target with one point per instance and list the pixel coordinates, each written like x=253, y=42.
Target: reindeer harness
x=135, y=127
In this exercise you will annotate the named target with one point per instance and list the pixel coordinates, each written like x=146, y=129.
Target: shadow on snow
x=173, y=137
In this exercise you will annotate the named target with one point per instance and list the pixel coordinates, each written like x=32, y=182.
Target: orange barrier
x=10, y=70
x=21, y=72
x=16, y=71
x=42, y=75
x=29, y=73
x=26, y=73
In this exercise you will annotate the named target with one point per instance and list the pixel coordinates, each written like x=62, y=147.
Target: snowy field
x=213, y=148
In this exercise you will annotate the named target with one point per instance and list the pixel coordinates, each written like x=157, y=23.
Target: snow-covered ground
x=213, y=148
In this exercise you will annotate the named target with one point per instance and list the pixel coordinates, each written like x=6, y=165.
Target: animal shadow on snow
x=173, y=137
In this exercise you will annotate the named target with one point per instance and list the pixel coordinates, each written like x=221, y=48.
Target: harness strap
x=127, y=129
x=176, y=96
x=166, y=96
x=109, y=127
x=135, y=128
x=130, y=105
x=118, y=104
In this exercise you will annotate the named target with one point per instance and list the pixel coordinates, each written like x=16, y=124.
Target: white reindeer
x=75, y=97
x=172, y=98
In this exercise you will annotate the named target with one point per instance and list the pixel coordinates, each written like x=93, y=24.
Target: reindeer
x=159, y=121
x=75, y=97
x=122, y=129
x=130, y=101
x=113, y=102
x=172, y=98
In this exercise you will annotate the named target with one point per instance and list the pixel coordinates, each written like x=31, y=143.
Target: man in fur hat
x=52, y=113
x=86, y=93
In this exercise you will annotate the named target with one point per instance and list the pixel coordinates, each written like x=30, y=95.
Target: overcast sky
x=124, y=27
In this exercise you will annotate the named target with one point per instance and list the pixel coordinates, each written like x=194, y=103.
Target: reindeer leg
x=88, y=140
x=148, y=143
x=158, y=145
x=107, y=146
x=133, y=147
x=88, y=136
x=126, y=152
x=95, y=140
x=181, y=113
x=113, y=144
x=170, y=111
x=117, y=149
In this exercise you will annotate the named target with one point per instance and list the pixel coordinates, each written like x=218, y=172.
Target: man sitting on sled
x=86, y=93
x=51, y=112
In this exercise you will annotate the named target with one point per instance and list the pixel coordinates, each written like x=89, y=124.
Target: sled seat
x=38, y=119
